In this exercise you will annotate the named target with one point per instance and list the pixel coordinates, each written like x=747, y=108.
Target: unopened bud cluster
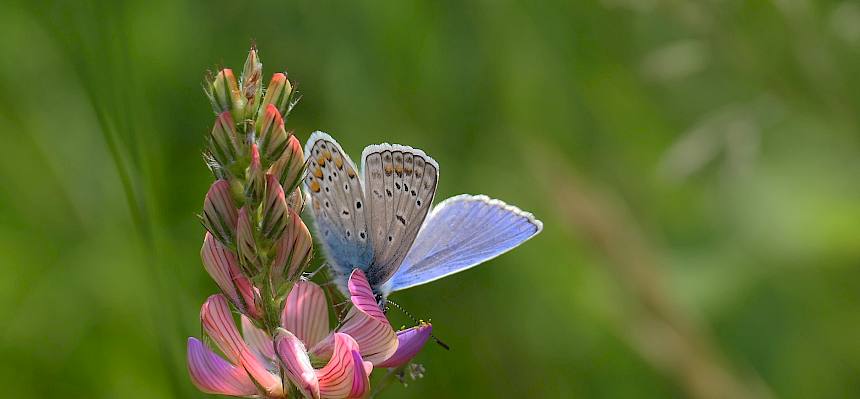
x=256, y=244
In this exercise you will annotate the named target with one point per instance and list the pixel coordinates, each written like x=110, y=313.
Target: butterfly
x=381, y=219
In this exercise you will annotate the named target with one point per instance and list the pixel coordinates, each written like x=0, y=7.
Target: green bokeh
x=724, y=135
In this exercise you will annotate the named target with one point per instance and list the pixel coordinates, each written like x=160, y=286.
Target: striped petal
x=250, y=296
x=305, y=313
x=275, y=217
x=293, y=250
x=289, y=167
x=257, y=339
x=221, y=265
x=212, y=374
x=346, y=374
x=297, y=364
x=271, y=133
x=366, y=323
x=410, y=341
x=219, y=212
x=246, y=246
x=219, y=325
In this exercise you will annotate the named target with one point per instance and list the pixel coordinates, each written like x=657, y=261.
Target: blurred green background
x=696, y=165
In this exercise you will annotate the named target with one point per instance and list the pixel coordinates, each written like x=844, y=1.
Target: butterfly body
x=380, y=220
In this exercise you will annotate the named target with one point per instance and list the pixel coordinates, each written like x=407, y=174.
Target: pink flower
x=365, y=339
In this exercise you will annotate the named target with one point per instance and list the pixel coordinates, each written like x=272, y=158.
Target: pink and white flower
x=364, y=339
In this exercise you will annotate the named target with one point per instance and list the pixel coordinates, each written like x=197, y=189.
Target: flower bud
x=290, y=167
x=272, y=138
x=223, y=92
x=274, y=218
x=223, y=267
x=256, y=178
x=252, y=84
x=219, y=213
x=278, y=93
x=224, y=142
x=292, y=251
x=246, y=245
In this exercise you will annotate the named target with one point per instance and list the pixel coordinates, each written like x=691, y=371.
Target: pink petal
x=362, y=296
x=219, y=212
x=257, y=339
x=212, y=374
x=271, y=133
x=346, y=374
x=221, y=265
x=297, y=364
x=366, y=323
x=275, y=217
x=293, y=249
x=219, y=325
x=246, y=246
x=289, y=167
x=306, y=313
x=250, y=296
x=410, y=341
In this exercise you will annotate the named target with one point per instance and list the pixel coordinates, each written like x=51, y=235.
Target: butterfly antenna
x=416, y=321
x=314, y=273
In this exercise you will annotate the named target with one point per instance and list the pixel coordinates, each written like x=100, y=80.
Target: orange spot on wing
x=315, y=186
x=318, y=173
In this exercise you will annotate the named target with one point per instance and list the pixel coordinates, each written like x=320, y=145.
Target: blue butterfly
x=381, y=221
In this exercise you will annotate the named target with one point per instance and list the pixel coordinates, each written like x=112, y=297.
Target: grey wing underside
x=337, y=203
x=460, y=233
x=400, y=183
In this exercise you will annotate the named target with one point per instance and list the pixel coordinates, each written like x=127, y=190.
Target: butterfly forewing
x=400, y=186
x=462, y=232
x=337, y=202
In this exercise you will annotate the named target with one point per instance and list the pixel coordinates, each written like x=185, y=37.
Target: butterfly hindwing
x=460, y=233
x=337, y=203
x=400, y=185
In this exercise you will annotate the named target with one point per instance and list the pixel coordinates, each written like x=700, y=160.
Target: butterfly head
x=382, y=302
